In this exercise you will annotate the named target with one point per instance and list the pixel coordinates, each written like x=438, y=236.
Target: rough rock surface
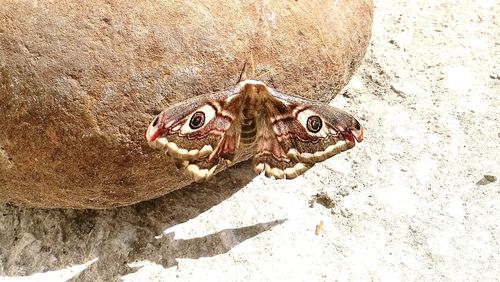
x=410, y=203
x=80, y=81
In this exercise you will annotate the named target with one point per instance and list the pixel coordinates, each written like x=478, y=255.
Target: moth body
x=285, y=135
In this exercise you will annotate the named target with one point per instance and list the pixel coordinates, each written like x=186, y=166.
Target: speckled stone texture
x=80, y=81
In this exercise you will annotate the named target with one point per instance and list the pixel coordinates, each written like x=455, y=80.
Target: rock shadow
x=37, y=240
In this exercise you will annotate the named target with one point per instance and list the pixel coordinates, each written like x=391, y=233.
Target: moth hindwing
x=286, y=135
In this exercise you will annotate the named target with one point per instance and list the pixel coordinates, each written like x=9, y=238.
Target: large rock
x=80, y=81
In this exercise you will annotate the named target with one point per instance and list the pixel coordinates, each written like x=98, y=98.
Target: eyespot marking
x=314, y=124
x=197, y=120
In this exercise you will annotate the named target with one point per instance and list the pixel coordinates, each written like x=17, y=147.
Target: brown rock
x=80, y=81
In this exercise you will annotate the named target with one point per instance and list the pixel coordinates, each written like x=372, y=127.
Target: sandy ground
x=409, y=203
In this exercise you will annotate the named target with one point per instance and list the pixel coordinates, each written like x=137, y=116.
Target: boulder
x=80, y=82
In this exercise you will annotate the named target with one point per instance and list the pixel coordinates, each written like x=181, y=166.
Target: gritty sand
x=410, y=203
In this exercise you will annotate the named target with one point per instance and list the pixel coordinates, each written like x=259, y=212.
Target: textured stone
x=79, y=83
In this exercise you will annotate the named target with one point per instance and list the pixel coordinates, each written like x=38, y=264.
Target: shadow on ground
x=117, y=237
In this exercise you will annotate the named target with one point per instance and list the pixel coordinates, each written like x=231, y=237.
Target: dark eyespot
x=155, y=121
x=197, y=120
x=314, y=124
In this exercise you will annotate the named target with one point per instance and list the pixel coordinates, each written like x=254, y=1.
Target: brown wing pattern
x=299, y=133
x=198, y=133
x=287, y=135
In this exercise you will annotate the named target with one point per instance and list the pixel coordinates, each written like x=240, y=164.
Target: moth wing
x=299, y=133
x=198, y=132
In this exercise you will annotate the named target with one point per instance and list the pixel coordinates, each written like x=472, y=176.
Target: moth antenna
x=241, y=77
x=243, y=73
x=252, y=64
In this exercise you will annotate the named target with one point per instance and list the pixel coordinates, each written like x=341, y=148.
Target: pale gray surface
x=408, y=206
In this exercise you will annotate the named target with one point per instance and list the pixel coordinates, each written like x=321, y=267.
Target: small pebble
x=490, y=178
x=487, y=179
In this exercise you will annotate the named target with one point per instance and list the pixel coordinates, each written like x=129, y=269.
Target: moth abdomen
x=248, y=131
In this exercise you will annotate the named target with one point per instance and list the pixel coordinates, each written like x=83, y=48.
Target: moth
x=285, y=135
